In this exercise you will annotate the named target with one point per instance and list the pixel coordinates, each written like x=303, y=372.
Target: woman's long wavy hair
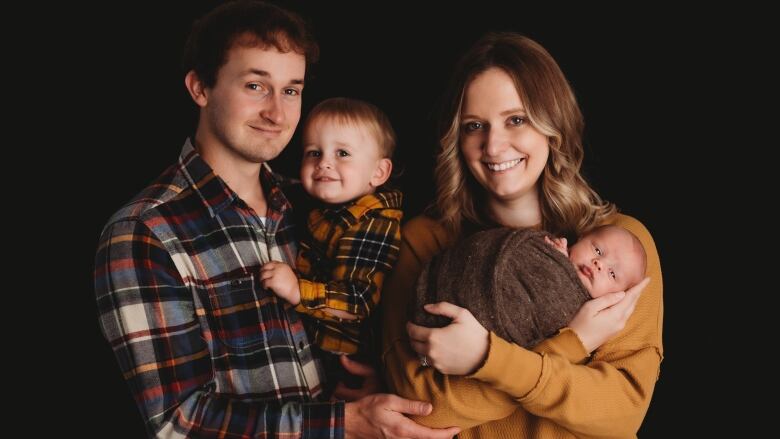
x=570, y=207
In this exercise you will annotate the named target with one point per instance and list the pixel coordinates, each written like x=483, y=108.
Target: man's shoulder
x=165, y=188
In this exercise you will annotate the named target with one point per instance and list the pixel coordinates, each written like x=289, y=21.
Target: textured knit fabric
x=343, y=264
x=207, y=351
x=513, y=282
x=554, y=390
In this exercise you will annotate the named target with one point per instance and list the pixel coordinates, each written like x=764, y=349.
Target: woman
x=510, y=155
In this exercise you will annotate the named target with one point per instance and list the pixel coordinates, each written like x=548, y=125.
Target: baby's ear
x=382, y=172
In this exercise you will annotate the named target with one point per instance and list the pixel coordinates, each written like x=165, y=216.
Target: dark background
x=652, y=82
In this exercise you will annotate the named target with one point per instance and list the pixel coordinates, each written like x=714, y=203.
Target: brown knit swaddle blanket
x=511, y=280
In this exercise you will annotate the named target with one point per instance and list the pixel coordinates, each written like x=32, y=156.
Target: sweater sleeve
x=453, y=397
x=608, y=396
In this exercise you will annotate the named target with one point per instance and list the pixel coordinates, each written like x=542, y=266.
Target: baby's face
x=607, y=261
x=340, y=161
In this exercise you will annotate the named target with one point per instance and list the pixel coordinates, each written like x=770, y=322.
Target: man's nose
x=273, y=111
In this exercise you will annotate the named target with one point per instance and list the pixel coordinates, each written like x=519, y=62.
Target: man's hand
x=382, y=416
x=280, y=278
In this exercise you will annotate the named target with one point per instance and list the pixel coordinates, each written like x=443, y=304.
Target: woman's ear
x=196, y=88
x=382, y=172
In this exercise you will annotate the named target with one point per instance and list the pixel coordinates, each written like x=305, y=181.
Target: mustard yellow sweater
x=553, y=391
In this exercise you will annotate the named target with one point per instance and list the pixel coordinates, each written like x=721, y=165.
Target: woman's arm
x=608, y=396
x=452, y=396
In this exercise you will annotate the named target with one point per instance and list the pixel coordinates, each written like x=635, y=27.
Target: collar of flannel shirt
x=356, y=209
x=215, y=193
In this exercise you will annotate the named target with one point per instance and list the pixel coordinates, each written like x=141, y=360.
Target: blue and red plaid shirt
x=207, y=351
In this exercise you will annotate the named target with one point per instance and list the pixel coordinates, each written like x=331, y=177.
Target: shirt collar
x=215, y=194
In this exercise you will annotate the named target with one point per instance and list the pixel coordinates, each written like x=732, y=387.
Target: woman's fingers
x=606, y=301
x=417, y=332
x=445, y=309
x=632, y=297
x=421, y=348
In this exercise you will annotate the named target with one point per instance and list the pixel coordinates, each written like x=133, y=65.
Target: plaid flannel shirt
x=207, y=351
x=342, y=266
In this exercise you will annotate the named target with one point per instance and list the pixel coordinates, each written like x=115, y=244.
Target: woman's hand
x=456, y=349
x=602, y=318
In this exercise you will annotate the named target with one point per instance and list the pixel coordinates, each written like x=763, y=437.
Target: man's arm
x=147, y=314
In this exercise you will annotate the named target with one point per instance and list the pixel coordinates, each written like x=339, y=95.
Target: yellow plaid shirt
x=343, y=264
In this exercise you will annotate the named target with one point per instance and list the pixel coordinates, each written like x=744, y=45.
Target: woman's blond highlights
x=569, y=206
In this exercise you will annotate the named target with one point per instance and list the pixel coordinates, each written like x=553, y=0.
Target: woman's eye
x=516, y=120
x=472, y=126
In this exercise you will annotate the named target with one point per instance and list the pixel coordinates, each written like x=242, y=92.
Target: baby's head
x=608, y=259
x=347, y=150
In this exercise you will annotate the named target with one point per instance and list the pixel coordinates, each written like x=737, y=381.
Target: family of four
x=230, y=318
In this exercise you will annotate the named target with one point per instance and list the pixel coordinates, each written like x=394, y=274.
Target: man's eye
x=292, y=92
x=472, y=126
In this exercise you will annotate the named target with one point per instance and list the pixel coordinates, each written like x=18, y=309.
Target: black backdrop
x=643, y=77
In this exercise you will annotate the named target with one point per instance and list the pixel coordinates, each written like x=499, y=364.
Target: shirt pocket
x=236, y=314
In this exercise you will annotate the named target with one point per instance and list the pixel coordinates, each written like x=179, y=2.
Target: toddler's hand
x=280, y=278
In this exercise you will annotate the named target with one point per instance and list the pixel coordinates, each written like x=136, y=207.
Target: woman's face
x=502, y=150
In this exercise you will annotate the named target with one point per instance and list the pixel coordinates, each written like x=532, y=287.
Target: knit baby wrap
x=513, y=282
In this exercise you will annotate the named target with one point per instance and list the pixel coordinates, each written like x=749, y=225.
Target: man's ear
x=382, y=172
x=196, y=88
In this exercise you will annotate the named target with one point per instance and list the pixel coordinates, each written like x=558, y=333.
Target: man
x=206, y=351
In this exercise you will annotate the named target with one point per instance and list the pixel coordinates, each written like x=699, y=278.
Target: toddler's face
x=340, y=161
